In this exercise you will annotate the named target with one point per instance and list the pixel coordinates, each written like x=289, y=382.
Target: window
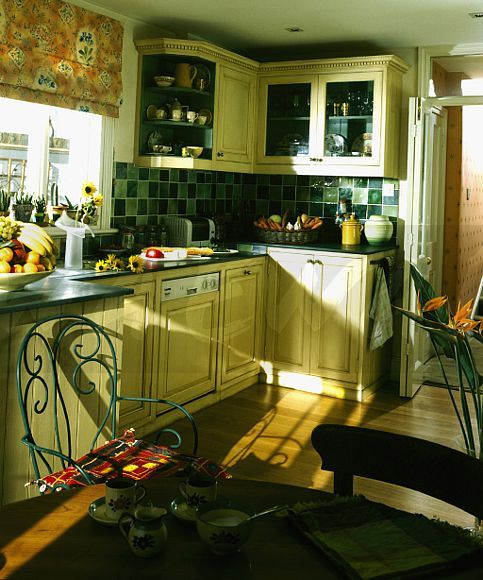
x=50, y=151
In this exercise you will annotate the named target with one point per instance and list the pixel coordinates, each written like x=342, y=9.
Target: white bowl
x=11, y=282
x=194, y=151
x=164, y=81
x=223, y=526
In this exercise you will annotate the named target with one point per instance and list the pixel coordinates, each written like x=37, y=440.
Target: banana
x=33, y=243
x=38, y=232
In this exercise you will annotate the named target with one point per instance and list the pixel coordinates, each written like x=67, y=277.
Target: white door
x=423, y=238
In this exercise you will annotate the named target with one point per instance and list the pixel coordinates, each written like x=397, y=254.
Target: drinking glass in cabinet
x=288, y=119
x=349, y=119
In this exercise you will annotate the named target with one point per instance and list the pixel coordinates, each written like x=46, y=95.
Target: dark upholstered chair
x=67, y=384
x=430, y=468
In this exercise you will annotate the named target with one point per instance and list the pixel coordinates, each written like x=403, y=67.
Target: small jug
x=184, y=74
x=351, y=231
x=145, y=531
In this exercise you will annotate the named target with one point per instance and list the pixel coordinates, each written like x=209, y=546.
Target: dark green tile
x=375, y=196
x=121, y=170
x=132, y=172
x=132, y=189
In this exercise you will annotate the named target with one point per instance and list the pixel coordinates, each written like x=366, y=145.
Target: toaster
x=190, y=231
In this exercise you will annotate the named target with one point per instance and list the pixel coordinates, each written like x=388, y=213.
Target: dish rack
x=297, y=238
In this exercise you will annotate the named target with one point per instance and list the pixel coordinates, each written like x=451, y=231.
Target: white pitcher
x=145, y=532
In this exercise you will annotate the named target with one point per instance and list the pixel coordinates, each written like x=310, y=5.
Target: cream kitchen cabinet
x=138, y=346
x=235, y=114
x=241, y=326
x=318, y=323
x=188, y=347
x=330, y=117
x=223, y=88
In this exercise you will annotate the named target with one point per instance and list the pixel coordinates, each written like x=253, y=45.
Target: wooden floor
x=264, y=432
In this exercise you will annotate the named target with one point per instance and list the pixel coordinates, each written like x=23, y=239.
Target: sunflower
x=88, y=189
x=102, y=266
x=97, y=200
x=135, y=264
x=114, y=263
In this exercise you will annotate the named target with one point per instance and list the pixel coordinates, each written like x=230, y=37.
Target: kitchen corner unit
x=219, y=86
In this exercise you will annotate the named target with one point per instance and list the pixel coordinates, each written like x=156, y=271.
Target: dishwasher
x=188, y=337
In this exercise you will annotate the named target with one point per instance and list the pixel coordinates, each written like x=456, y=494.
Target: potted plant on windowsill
x=40, y=207
x=5, y=200
x=23, y=206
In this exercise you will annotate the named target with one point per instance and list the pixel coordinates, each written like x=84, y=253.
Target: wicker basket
x=297, y=238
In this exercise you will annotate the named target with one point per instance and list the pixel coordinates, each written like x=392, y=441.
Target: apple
x=276, y=218
x=154, y=253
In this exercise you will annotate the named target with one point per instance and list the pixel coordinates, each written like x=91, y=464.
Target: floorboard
x=264, y=432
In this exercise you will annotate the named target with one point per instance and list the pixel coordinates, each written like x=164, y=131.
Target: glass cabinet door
x=289, y=124
x=349, y=119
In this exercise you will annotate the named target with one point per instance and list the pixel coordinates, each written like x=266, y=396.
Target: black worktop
x=70, y=286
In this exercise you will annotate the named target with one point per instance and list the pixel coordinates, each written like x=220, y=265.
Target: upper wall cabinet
x=195, y=106
x=330, y=117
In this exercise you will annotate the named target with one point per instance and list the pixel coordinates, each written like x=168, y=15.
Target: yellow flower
x=102, y=266
x=97, y=200
x=114, y=262
x=88, y=189
x=136, y=264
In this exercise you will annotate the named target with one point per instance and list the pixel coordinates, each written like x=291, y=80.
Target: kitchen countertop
x=70, y=286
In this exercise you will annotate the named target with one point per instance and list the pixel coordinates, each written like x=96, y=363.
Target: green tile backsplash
x=144, y=196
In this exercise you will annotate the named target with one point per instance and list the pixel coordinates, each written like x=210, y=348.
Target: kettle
x=184, y=74
x=351, y=231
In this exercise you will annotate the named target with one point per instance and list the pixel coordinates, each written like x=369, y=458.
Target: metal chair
x=438, y=471
x=67, y=373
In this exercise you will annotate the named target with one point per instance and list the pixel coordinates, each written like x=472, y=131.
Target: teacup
x=163, y=149
x=161, y=113
x=191, y=116
x=223, y=526
x=122, y=495
x=176, y=115
x=201, y=120
x=198, y=490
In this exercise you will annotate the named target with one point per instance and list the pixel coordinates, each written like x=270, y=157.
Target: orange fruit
x=29, y=267
x=6, y=254
x=17, y=269
x=33, y=258
x=40, y=268
x=4, y=267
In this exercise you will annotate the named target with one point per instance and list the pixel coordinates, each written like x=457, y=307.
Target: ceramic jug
x=351, y=231
x=184, y=74
x=145, y=531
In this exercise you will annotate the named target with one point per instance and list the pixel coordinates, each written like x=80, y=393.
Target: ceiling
x=257, y=27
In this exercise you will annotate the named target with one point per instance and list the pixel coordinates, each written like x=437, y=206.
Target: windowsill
x=55, y=232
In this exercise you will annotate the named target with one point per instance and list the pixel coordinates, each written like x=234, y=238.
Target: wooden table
x=54, y=537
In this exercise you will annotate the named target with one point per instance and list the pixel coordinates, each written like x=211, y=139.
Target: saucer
x=97, y=511
x=179, y=508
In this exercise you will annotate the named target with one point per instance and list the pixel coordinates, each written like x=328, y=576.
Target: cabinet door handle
x=312, y=158
x=310, y=261
x=247, y=272
x=220, y=154
x=318, y=262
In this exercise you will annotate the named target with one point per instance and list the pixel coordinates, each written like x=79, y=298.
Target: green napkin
x=371, y=540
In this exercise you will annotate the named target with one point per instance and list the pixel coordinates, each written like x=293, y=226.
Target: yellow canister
x=351, y=231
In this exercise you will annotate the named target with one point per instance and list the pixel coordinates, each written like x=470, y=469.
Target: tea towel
x=380, y=312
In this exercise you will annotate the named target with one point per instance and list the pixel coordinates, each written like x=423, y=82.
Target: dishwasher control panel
x=190, y=286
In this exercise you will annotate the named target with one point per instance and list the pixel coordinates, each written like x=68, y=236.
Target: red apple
x=154, y=253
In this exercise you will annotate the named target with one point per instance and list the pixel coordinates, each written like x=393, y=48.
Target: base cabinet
x=318, y=324
x=188, y=347
x=241, y=326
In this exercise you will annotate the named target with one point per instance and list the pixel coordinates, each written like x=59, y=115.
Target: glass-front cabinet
x=341, y=120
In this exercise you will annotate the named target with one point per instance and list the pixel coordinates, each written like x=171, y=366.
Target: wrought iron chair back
x=64, y=361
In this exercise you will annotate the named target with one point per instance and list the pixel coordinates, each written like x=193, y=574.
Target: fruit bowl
x=12, y=282
x=164, y=81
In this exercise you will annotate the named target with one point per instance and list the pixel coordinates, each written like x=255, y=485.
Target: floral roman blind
x=55, y=53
